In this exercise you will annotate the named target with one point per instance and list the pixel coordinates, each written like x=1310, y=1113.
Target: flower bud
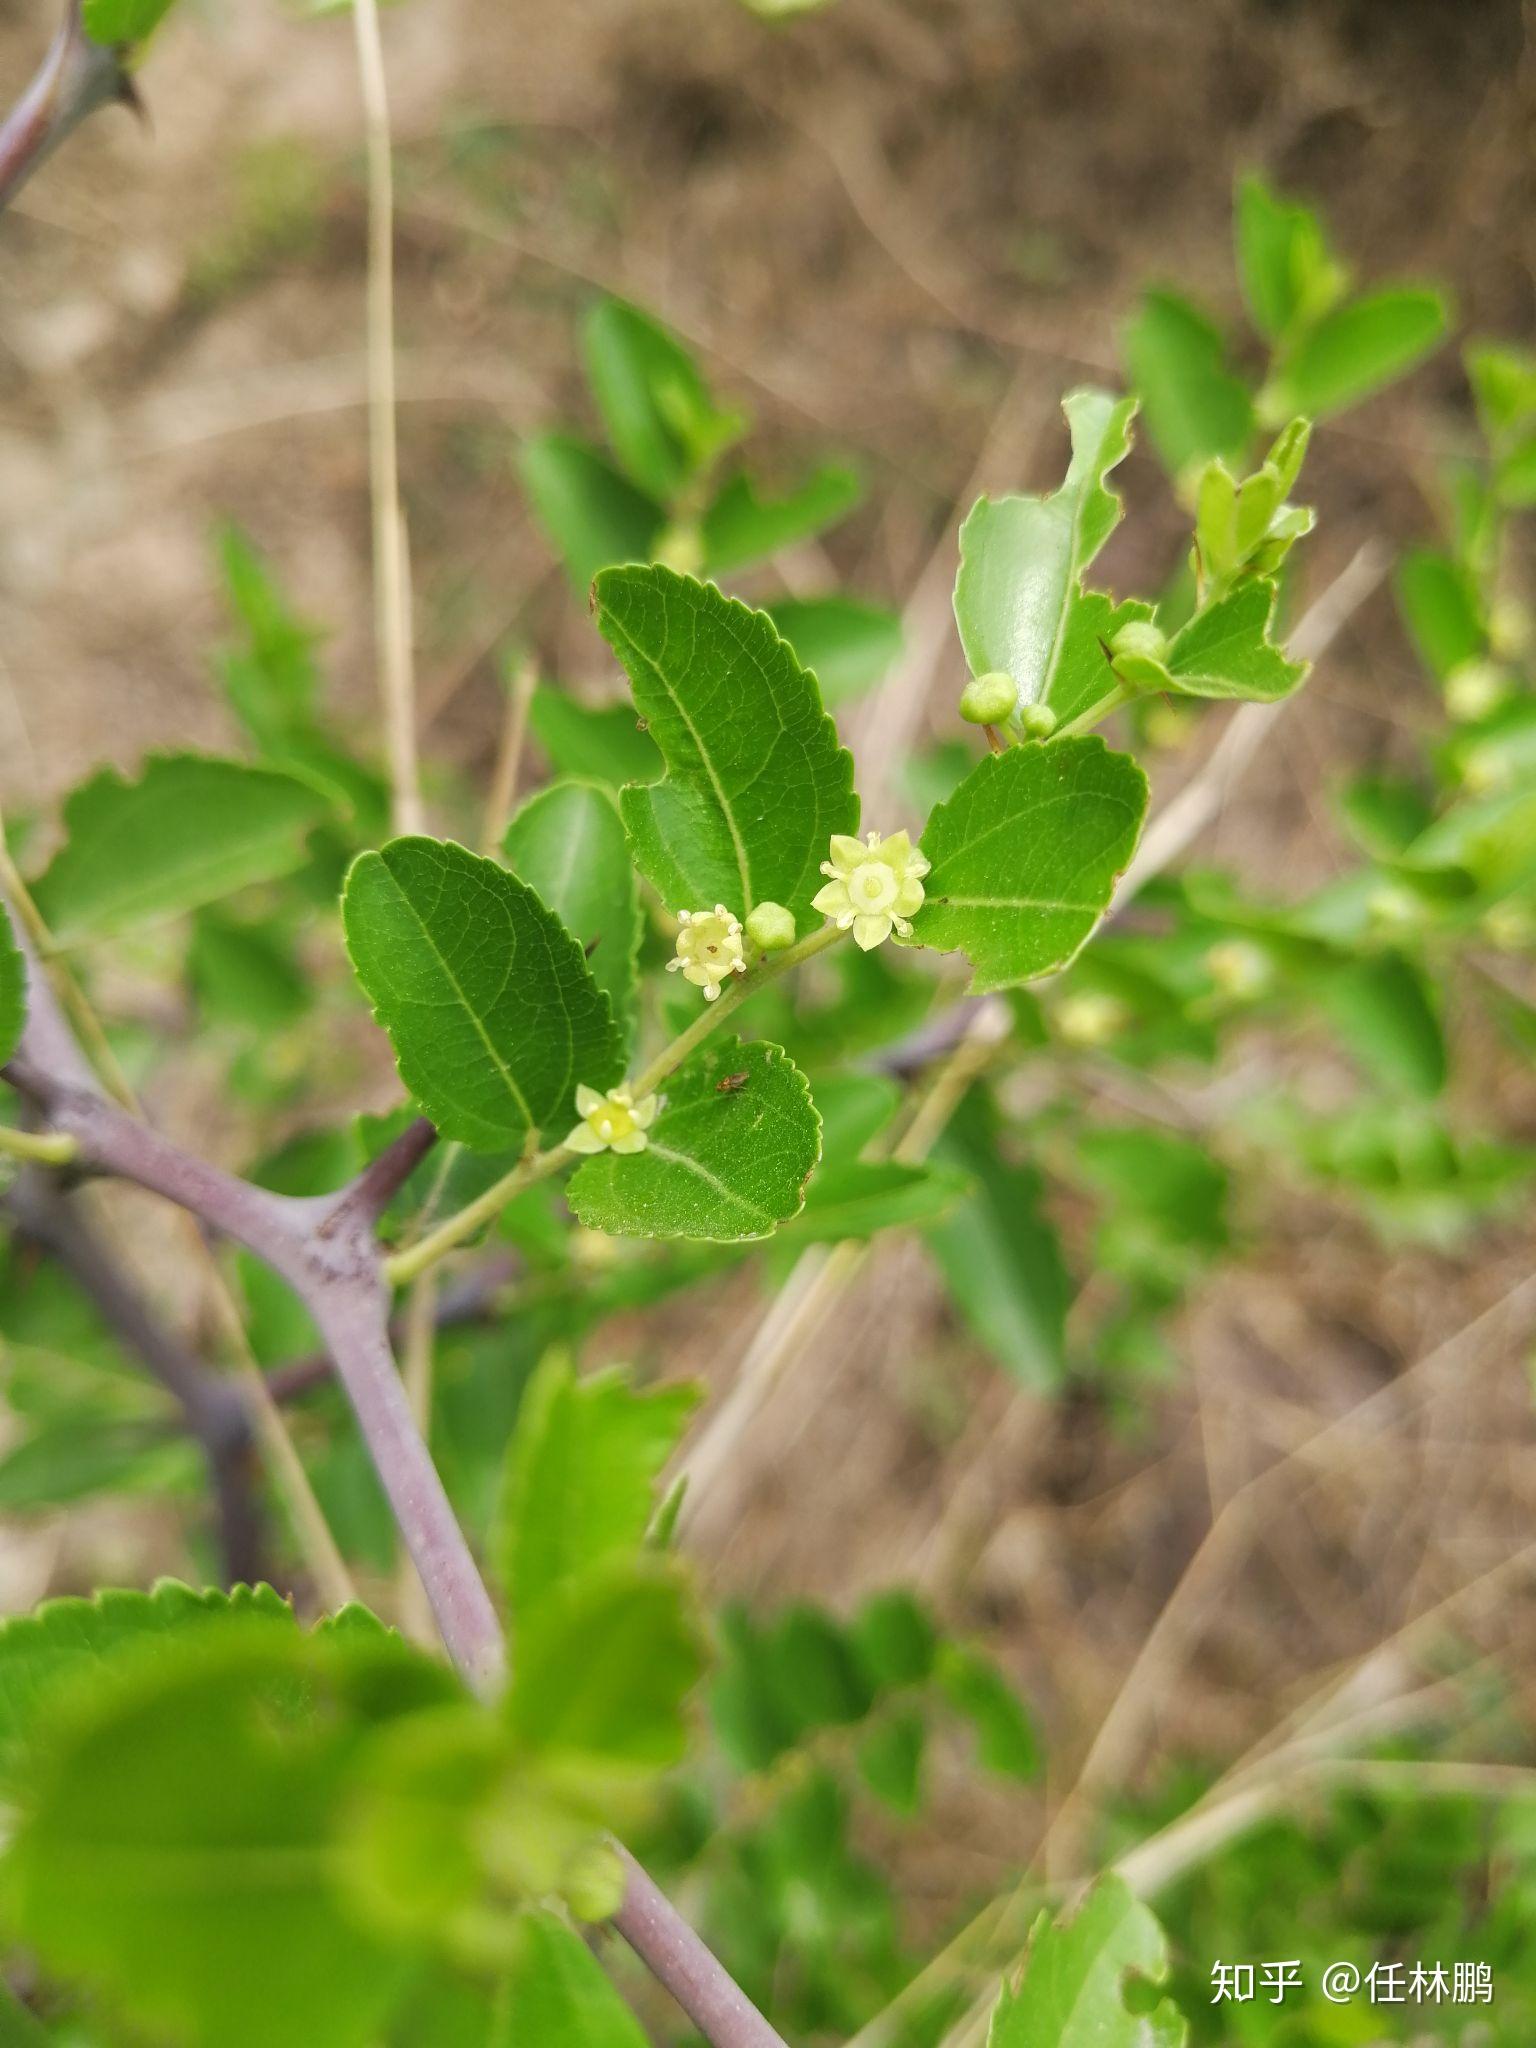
x=1239, y=969
x=771, y=927
x=1038, y=721
x=592, y=1883
x=1392, y=908
x=989, y=699
x=1483, y=769
x=1140, y=640
x=1089, y=1019
x=1474, y=689
x=1167, y=725
x=681, y=547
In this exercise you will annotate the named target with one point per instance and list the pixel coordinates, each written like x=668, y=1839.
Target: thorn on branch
x=75, y=78
x=365, y=1199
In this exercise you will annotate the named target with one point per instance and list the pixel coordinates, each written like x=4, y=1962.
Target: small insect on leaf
x=730, y=1084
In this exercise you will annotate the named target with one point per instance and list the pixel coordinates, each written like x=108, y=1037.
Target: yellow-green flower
x=876, y=886
x=614, y=1122
x=1089, y=1019
x=709, y=949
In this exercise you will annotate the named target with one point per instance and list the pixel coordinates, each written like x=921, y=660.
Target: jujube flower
x=611, y=1122
x=709, y=949
x=876, y=886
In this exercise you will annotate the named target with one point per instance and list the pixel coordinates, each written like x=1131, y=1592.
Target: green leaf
x=1503, y=381
x=1000, y=1255
x=13, y=991
x=1384, y=1011
x=18, y=2027
x=979, y=1693
x=489, y=1005
x=1025, y=856
x=582, y=1473
x=1442, y=610
x=558, y=1995
x=741, y=527
x=568, y=844
x=660, y=417
x=593, y=515
x=177, y=1842
x=1356, y=350
x=851, y=1196
x=63, y=1639
x=1384, y=813
x=604, y=1667
x=756, y=782
x=1492, y=838
x=1161, y=1192
x=451, y=1831
x=1195, y=408
x=84, y=1455
x=1246, y=525
x=1083, y=676
x=847, y=645
x=189, y=830
x=860, y=1197
x=245, y=973
x=895, y=1637
x=1289, y=275
x=1021, y=559
x=1226, y=651
x=781, y=1681
x=604, y=741
x=121, y=22
x=1516, y=475
x=728, y=1156
x=1072, y=1990
x=1162, y=1207
x=890, y=1759
x=271, y=680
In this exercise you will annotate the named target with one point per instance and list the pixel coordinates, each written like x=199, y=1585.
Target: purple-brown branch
x=472, y=1297
x=212, y=1409
x=327, y=1249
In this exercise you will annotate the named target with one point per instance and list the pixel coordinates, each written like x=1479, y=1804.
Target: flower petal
x=831, y=900
x=909, y=897
x=584, y=1139
x=897, y=850
x=645, y=1112
x=847, y=852
x=587, y=1099
x=869, y=932
x=632, y=1141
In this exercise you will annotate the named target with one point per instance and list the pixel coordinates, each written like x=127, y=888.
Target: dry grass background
x=899, y=229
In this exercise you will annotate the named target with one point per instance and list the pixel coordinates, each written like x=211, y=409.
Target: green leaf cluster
x=886, y=1679
x=1328, y=347
x=660, y=492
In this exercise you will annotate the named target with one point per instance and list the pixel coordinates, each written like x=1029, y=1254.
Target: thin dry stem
x=391, y=576
x=509, y=754
x=418, y=1357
